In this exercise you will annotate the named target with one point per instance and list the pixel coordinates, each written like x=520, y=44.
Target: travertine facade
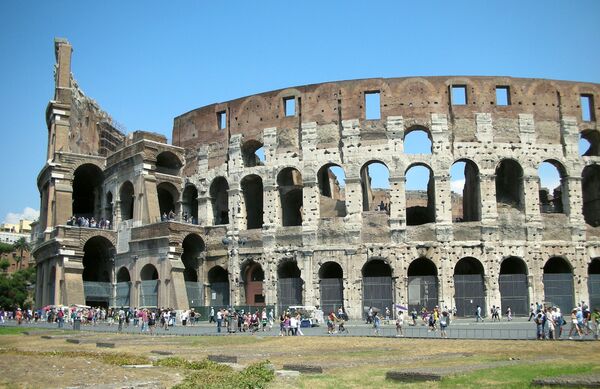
x=283, y=230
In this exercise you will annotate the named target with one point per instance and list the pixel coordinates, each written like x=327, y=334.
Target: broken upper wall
x=76, y=123
x=414, y=98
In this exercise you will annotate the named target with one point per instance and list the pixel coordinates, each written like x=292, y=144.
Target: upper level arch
x=168, y=162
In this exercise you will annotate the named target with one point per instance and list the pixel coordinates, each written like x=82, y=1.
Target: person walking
x=376, y=324
x=219, y=320
x=211, y=318
x=444, y=319
x=531, y=312
x=400, y=324
x=574, y=324
x=509, y=314
x=478, y=314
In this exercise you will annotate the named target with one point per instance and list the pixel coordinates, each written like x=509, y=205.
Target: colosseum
x=270, y=199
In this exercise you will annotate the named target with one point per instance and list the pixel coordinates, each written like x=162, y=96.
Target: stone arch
x=168, y=162
x=98, y=263
x=331, y=286
x=252, y=189
x=418, y=140
x=375, y=196
x=253, y=153
x=465, y=183
x=509, y=185
x=558, y=283
x=289, y=183
x=377, y=285
x=592, y=138
x=590, y=184
x=253, y=276
x=422, y=284
x=193, y=253
x=594, y=283
x=469, y=286
x=87, y=190
x=168, y=197
x=219, y=198
x=218, y=280
x=513, y=284
x=189, y=202
x=333, y=198
x=420, y=205
x=149, y=282
x=290, y=285
x=552, y=200
x=123, y=288
x=127, y=200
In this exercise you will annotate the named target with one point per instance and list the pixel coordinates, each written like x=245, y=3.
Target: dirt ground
x=23, y=367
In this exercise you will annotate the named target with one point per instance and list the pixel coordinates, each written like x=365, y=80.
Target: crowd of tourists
x=551, y=324
x=82, y=221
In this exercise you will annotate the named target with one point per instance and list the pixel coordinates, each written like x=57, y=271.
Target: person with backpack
x=444, y=320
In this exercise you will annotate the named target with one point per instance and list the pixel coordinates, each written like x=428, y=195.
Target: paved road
x=519, y=328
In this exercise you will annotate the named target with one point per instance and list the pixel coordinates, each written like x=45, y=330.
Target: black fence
x=514, y=293
x=469, y=293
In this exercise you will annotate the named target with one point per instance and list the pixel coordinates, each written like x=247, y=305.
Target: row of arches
x=377, y=277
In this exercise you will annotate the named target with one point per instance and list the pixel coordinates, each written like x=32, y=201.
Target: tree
x=4, y=264
x=6, y=248
x=15, y=288
x=21, y=245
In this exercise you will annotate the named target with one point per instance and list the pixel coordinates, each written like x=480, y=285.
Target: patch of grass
x=257, y=376
x=182, y=363
x=116, y=359
x=514, y=376
x=16, y=330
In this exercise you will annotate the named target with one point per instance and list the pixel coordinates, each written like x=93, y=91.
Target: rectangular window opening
x=222, y=120
x=502, y=95
x=459, y=94
x=587, y=108
x=289, y=104
x=373, y=105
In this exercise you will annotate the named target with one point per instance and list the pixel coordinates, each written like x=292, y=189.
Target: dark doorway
x=289, y=291
x=127, y=199
x=509, y=184
x=87, y=186
x=149, y=287
x=218, y=279
x=254, y=277
x=220, y=200
x=422, y=285
x=591, y=195
x=331, y=287
x=558, y=284
x=252, y=187
x=123, y=288
x=469, y=288
x=594, y=283
x=193, y=249
x=514, y=291
x=289, y=182
x=378, y=287
x=190, y=204
x=97, y=271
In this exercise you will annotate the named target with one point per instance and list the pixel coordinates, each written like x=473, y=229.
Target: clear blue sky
x=147, y=62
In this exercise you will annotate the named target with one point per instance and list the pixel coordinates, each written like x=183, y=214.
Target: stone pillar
x=531, y=200
x=237, y=207
x=311, y=212
x=489, y=211
x=39, y=285
x=271, y=204
x=574, y=207
x=397, y=206
x=443, y=207
x=353, y=219
x=305, y=261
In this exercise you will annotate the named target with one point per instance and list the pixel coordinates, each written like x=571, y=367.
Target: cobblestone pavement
x=519, y=328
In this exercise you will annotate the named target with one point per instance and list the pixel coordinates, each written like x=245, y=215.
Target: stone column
x=574, y=207
x=443, y=207
x=311, y=212
x=489, y=211
x=397, y=207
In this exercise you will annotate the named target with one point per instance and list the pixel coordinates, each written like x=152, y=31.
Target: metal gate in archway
x=514, y=293
x=289, y=293
x=195, y=293
x=378, y=293
x=594, y=290
x=422, y=292
x=149, y=293
x=469, y=292
x=219, y=294
x=332, y=294
x=122, y=296
x=558, y=289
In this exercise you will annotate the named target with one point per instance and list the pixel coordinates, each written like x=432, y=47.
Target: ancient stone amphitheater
x=271, y=200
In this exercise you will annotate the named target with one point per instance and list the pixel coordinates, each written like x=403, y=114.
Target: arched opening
x=98, y=264
x=417, y=141
x=127, y=199
x=591, y=195
x=218, y=280
x=514, y=292
x=375, y=184
x=252, y=188
x=123, y=287
x=553, y=191
x=254, y=276
x=289, y=288
x=168, y=163
x=377, y=285
x=469, y=287
x=589, y=143
x=331, y=285
x=193, y=251
x=558, y=283
x=594, y=283
x=332, y=184
x=253, y=153
x=422, y=285
x=87, y=185
x=466, y=193
x=420, y=195
x=509, y=185
x=190, y=204
x=108, y=207
x=220, y=201
x=167, y=200
x=149, y=287
x=289, y=182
